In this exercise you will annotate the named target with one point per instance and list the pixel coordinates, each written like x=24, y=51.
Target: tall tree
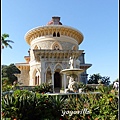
x=5, y=42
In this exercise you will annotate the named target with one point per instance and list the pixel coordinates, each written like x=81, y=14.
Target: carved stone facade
x=51, y=46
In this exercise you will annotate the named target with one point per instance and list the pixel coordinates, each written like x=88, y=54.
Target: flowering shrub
x=43, y=88
x=25, y=105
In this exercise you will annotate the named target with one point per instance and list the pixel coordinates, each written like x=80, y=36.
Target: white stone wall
x=34, y=67
x=47, y=42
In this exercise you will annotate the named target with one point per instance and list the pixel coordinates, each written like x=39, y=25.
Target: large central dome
x=55, y=21
x=54, y=30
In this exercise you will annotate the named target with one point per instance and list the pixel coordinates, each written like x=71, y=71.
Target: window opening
x=58, y=34
x=54, y=34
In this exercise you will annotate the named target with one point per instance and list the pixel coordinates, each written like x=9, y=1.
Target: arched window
x=35, y=80
x=37, y=77
x=56, y=47
x=38, y=80
x=36, y=47
x=74, y=48
x=54, y=34
x=58, y=34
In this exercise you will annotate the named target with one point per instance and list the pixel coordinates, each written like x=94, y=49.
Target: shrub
x=26, y=105
x=43, y=88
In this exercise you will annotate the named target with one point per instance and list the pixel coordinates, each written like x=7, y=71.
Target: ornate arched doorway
x=57, y=80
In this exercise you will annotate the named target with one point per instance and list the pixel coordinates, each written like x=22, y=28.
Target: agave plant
x=25, y=106
x=58, y=104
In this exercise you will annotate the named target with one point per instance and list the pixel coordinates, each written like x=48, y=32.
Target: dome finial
x=55, y=21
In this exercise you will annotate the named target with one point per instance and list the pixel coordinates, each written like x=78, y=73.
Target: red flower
x=88, y=117
x=3, y=114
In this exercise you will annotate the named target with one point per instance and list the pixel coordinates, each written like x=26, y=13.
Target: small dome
x=55, y=21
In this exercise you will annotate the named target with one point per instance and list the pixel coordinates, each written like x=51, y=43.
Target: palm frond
x=6, y=42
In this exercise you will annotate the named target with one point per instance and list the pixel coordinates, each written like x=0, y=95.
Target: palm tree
x=5, y=42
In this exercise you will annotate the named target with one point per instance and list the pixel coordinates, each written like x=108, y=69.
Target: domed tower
x=51, y=46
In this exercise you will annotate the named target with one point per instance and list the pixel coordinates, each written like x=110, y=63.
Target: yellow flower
x=112, y=91
x=96, y=118
x=110, y=99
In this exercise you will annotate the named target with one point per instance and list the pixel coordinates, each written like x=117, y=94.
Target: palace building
x=51, y=46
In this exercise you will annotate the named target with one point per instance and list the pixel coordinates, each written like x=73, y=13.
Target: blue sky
x=96, y=19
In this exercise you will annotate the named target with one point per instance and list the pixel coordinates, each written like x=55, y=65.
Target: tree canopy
x=93, y=79
x=8, y=72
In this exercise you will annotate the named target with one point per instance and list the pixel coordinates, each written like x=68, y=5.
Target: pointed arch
x=74, y=47
x=57, y=76
x=54, y=34
x=58, y=34
x=36, y=77
x=36, y=47
x=56, y=46
x=48, y=69
x=58, y=67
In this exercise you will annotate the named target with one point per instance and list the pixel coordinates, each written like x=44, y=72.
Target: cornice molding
x=56, y=54
x=50, y=29
x=22, y=66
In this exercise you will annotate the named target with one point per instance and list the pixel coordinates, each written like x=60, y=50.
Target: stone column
x=62, y=81
x=65, y=78
x=45, y=77
x=42, y=69
x=39, y=77
x=53, y=80
x=42, y=77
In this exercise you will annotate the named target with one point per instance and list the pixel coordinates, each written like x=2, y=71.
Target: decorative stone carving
x=72, y=63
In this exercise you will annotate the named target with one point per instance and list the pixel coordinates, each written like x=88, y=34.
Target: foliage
x=81, y=85
x=5, y=42
x=89, y=88
x=58, y=103
x=7, y=88
x=26, y=105
x=9, y=71
x=105, y=80
x=93, y=79
x=43, y=88
x=84, y=87
x=92, y=107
